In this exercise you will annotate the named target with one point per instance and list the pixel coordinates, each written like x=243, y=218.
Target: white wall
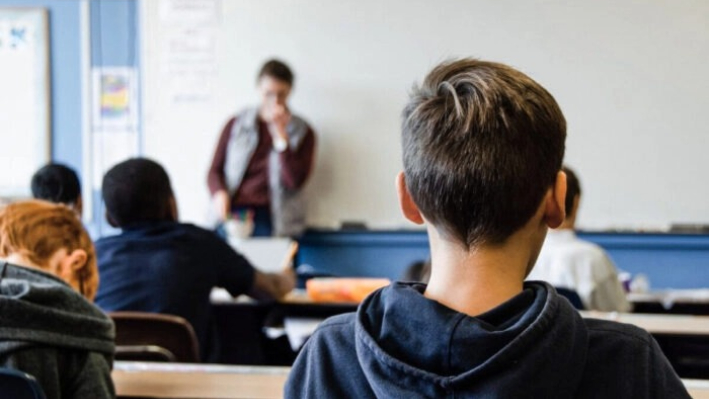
x=629, y=75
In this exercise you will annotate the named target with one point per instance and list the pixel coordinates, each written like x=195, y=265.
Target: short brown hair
x=38, y=229
x=276, y=69
x=482, y=142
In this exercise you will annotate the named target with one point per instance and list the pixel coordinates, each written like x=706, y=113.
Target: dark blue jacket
x=168, y=267
x=400, y=344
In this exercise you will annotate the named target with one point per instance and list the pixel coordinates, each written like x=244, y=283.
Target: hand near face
x=278, y=125
x=274, y=110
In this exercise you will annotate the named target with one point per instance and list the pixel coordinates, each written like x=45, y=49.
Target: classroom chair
x=142, y=336
x=18, y=385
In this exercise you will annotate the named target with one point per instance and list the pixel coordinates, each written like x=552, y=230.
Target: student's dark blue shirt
x=169, y=267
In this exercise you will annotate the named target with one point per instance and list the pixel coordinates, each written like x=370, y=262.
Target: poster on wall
x=115, y=104
x=24, y=98
x=115, y=136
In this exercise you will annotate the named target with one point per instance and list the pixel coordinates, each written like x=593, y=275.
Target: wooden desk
x=698, y=389
x=686, y=301
x=163, y=380
x=240, y=324
x=658, y=324
x=669, y=297
x=180, y=380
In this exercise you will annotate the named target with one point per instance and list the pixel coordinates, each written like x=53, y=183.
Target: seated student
x=58, y=183
x=48, y=327
x=159, y=265
x=569, y=262
x=482, y=149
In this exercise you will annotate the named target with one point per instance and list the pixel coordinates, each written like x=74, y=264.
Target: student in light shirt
x=567, y=261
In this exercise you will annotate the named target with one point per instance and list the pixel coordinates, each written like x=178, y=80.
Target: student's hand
x=222, y=203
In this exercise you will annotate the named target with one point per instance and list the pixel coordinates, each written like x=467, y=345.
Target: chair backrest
x=572, y=296
x=18, y=385
x=146, y=336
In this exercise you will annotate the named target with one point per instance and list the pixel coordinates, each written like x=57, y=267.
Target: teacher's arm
x=297, y=163
x=216, y=178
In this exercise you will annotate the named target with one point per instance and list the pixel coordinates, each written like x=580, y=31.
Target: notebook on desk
x=269, y=255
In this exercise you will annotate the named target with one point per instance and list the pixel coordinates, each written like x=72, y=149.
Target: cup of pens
x=240, y=225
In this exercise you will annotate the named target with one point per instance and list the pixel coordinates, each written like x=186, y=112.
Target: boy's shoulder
x=613, y=330
x=626, y=359
x=335, y=339
x=336, y=328
x=167, y=230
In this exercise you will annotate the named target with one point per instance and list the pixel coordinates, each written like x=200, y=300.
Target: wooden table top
x=657, y=323
x=180, y=380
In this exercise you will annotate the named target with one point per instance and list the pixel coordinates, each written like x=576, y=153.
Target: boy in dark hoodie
x=482, y=146
x=48, y=326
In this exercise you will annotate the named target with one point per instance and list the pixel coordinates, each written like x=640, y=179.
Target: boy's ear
x=76, y=260
x=555, y=208
x=407, y=204
x=70, y=265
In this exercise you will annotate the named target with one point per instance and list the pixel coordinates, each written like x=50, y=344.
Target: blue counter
x=669, y=260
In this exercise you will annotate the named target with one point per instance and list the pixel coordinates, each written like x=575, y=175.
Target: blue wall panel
x=114, y=35
x=668, y=260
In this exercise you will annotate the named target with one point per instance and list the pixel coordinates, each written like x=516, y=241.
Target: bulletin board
x=25, y=127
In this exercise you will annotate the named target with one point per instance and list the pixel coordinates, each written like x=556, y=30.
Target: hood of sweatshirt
x=37, y=308
x=408, y=343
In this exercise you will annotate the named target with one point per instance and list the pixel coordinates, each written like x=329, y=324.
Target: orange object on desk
x=352, y=290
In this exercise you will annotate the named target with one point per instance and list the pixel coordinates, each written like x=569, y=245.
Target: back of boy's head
x=135, y=191
x=56, y=183
x=573, y=190
x=482, y=143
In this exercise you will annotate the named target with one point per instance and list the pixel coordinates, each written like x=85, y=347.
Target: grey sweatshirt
x=50, y=331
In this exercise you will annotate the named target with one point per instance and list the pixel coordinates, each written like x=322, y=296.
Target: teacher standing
x=263, y=158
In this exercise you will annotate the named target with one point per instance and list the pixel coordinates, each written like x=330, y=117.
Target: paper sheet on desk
x=299, y=329
x=265, y=254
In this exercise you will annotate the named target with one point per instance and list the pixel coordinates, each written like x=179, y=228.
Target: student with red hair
x=48, y=277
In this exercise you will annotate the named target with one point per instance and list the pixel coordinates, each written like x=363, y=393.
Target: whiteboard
x=630, y=77
x=24, y=98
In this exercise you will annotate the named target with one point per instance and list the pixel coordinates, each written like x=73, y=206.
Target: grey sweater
x=51, y=332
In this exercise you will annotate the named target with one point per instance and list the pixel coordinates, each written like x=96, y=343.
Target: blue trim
x=652, y=241
x=114, y=43
x=114, y=33
x=669, y=260
x=365, y=238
